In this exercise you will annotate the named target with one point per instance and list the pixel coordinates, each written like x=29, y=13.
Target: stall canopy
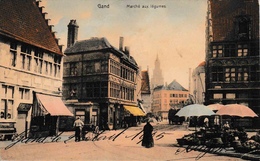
x=135, y=110
x=53, y=105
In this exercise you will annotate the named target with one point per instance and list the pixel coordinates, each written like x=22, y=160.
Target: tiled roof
x=23, y=20
x=96, y=44
x=145, y=87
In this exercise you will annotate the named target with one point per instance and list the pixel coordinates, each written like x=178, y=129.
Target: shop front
x=133, y=115
x=46, y=111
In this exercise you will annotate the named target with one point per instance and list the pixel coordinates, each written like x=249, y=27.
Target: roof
x=202, y=64
x=23, y=20
x=89, y=45
x=96, y=44
x=174, y=85
x=145, y=87
x=160, y=87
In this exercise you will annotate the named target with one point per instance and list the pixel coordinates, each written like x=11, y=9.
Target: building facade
x=100, y=82
x=198, y=84
x=167, y=97
x=146, y=91
x=232, y=59
x=30, y=70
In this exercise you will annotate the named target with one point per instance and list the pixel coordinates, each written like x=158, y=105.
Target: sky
x=174, y=33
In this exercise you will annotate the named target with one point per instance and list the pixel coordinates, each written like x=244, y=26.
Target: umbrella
x=195, y=110
x=215, y=107
x=236, y=110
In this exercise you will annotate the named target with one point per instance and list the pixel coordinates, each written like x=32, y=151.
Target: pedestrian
x=95, y=131
x=206, y=123
x=147, y=135
x=78, y=124
x=226, y=126
x=216, y=124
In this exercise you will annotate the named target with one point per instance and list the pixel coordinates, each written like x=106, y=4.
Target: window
x=230, y=95
x=7, y=102
x=26, y=57
x=243, y=27
x=242, y=74
x=24, y=93
x=57, y=62
x=254, y=73
x=89, y=67
x=229, y=50
x=104, y=66
x=73, y=69
x=46, y=67
x=217, y=95
x=242, y=50
x=97, y=66
x=13, y=52
x=173, y=95
x=230, y=74
x=217, y=51
x=104, y=89
x=73, y=90
x=89, y=90
x=38, y=60
x=217, y=74
x=96, y=89
x=50, y=69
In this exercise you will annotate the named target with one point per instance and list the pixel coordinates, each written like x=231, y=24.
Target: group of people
x=147, y=140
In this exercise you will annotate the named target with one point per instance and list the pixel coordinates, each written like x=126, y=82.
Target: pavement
x=110, y=141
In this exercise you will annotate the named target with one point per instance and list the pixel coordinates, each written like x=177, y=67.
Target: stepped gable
x=24, y=21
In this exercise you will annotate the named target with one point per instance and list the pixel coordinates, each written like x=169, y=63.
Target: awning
x=135, y=110
x=24, y=107
x=53, y=105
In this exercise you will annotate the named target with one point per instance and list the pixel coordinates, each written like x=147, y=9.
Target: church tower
x=157, y=78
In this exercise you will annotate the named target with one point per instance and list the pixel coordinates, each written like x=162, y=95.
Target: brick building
x=232, y=59
x=31, y=62
x=99, y=81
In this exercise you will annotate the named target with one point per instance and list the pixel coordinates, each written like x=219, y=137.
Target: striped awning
x=53, y=105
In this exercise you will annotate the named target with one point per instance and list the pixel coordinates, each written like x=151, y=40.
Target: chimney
x=121, y=43
x=72, y=33
x=127, y=51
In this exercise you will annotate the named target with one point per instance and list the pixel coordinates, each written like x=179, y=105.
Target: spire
x=157, y=78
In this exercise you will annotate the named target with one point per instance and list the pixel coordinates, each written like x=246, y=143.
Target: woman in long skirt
x=147, y=135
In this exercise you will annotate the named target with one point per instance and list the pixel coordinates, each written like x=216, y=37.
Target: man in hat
x=78, y=124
